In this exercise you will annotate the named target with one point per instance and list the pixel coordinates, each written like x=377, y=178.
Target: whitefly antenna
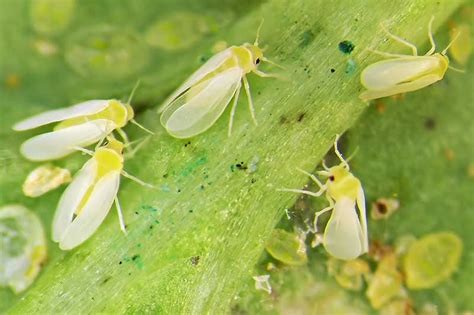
x=133, y=121
x=133, y=92
x=450, y=43
x=258, y=32
x=339, y=155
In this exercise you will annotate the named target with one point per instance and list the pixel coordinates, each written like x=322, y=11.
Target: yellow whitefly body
x=116, y=112
x=342, y=184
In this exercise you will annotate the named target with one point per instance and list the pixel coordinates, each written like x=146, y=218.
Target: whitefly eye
x=332, y=178
x=257, y=61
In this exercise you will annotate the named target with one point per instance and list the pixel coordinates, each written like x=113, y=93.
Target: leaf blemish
x=346, y=47
x=430, y=123
x=195, y=260
x=306, y=38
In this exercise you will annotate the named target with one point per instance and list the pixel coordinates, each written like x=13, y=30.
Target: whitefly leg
x=136, y=179
x=321, y=186
x=401, y=40
x=320, y=212
x=268, y=75
x=124, y=136
x=249, y=98
x=232, y=110
x=385, y=54
x=301, y=191
x=120, y=215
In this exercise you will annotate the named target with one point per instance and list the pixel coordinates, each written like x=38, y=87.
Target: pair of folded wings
x=59, y=143
x=70, y=228
x=198, y=103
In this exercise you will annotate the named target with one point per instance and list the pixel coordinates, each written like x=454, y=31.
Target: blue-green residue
x=306, y=38
x=191, y=167
x=351, y=67
x=346, y=47
x=149, y=208
x=137, y=259
x=165, y=188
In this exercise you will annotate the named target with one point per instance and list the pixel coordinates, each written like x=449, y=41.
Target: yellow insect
x=87, y=200
x=197, y=104
x=80, y=125
x=345, y=236
x=404, y=73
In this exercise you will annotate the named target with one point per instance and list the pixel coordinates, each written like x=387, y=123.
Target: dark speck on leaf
x=165, y=175
x=253, y=180
x=333, y=70
x=187, y=143
x=306, y=38
x=241, y=166
x=346, y=47
x=430, y=124
x=381, y=207
x=300, y=117
x=195, y=260
x=120, y=262
x=283, y=120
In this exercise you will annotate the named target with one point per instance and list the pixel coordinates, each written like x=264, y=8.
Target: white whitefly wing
x=363, y=218
x=400, y=88
x=71, y=198
x=391, y=72
x=57, y=144
x=93, y=213
x=343, y=233
x=77, y=110
x=196, y=110
x=212, y=64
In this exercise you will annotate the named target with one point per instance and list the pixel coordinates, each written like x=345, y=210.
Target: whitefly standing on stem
x=345, y=235
x=404, y=73
x=197, y=104
x=87, y=200
x=80, y=125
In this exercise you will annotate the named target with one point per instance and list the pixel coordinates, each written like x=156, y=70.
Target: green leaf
x=192, y=243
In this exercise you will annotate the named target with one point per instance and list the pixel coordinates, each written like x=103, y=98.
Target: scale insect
x=79, y=125
x=87, y=200
x=197, y=104
x=345, y=236
x=404, y=73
